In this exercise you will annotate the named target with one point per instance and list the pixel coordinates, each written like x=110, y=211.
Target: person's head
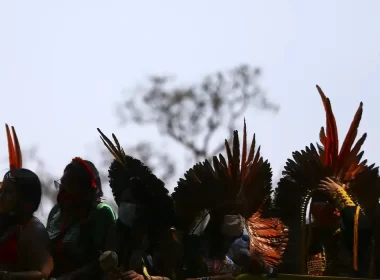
x=223, y=229
x=80, y=183
x=229, y=226
x=324, y=214
x=140, y=206
x=232, y=226
x=132, y=206
x=20, y=192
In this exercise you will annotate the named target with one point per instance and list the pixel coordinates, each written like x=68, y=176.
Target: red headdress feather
x=345, y=164
x=81, y=161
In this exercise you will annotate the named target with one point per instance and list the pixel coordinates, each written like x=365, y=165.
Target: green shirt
x=83, y=239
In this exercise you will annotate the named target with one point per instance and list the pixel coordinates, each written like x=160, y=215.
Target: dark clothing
x=157, y=252
x=364, y=238
x=77, y=240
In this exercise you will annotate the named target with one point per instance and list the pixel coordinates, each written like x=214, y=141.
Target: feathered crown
x=126, y=171
x=234, y=187
x=303, y=173
x=346, y=165
x=14, y=150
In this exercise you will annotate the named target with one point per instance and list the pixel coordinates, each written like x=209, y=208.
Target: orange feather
x=17, y=148
x=11, y=149
x=343, y=163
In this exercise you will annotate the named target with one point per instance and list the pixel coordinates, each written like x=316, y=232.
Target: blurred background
x=173, y=79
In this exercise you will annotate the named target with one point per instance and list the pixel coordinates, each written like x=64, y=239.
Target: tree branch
x=192, y=115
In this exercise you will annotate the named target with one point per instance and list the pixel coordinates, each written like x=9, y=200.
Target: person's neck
x=75, y=208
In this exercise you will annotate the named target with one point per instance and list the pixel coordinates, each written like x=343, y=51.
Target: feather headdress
x=304, y=171
x=14, y=150
x=308, y=167
x=126, y=170
x=238, y=185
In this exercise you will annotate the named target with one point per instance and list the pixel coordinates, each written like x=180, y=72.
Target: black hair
x=28, y=185
x=146, y=188
x=85, y=177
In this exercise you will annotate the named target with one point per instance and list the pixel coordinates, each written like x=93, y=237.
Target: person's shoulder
x=33, y=230
x=53, y=211
x=104, y=210
x=104, y=207
x=52, y=214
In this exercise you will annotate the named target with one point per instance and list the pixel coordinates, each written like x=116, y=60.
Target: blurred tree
x=192, y=115
x=35, y=163
x=188, y=115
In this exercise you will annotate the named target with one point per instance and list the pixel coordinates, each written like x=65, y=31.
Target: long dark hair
x=85, y=177
x=28, y=185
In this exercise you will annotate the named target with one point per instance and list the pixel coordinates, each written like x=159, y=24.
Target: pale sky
x=63, y=65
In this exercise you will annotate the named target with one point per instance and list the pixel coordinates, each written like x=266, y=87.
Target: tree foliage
x=35, y=163
x=189, y=115
x=192, y=115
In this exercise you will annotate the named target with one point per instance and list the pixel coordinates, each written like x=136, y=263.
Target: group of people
x=224, y=219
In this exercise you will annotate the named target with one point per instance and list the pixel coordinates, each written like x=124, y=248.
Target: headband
x=90, y=172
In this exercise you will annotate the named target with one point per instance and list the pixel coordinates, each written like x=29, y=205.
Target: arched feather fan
x=14, y=150
x=303, y=173
x=236, y=186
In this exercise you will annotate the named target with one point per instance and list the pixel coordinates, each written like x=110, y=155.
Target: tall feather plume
x=110, y=146
x=347, y=164
x=11, y=149
x=244, y=181
x=125, y=169
x=244, y=152
x=17, y=147
x=345, y=160
x=239, y=185
x=14, y=150
x=332, y=141
x=119, y=148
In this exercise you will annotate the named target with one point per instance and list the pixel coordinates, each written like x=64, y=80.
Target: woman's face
x=325, y=214
x=8, y=196
x=70, y=182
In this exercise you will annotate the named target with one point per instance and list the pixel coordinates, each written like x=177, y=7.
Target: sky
x=64, y=65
